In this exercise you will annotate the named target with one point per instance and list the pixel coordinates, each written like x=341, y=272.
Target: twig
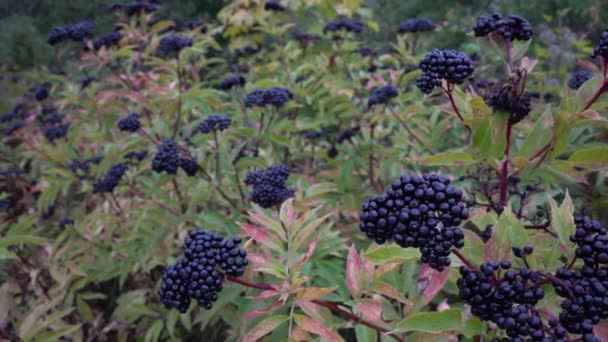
x=179, y=195
x=218, y=171
x=179, y=99
x=122, y=213
x=409, y=131
x=238, y=184
x=448, y=92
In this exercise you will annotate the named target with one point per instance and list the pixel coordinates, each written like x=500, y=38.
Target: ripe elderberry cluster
x=507, y=297
x=174, y=43
x=365, y=51
x=197, y=276
x=344, y=24
x=130, y=123
x=452, y=66
x=304, y=39
x=168, y=159
x=420, y=212
x=276, y=96
x=109, y=40
x=348, y=134
x=274, y=5
x=382, y=95
x=138, y=7
x=232, y=81
x=41, y=92
x=57, y=131
x=83, y=166
x=269, y=186
x=510, y=100
x=514, y=28
x=77, y=33
x=602, y=48
x=214, y=123
x=416, y=25
x=579, y=78
x=111, y=179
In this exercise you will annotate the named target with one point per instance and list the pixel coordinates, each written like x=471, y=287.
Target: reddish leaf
x=372, y=309
x=257, y=313
x=262, y=236
x=265, y=294
x=300, y=335
x=265, y=327
x=315, y=327
x=315, y=311
x=312, y=293
x=443, y=305
x=430, y=282
x=353, y=273
x=601, y=332
x=259, y=260
x=391, y=292
x=286, y=213
x=311, y=249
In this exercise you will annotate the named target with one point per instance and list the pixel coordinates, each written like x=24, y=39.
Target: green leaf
x=562, y=220
x=265, y=327
x=447, y=159
x=154, y=331
x=8, y=241
x=432, y=322
x=595, y=157
x=391, y=253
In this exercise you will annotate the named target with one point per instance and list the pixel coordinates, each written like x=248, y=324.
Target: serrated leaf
x=431, y=281
x=354, y=277
x=265, y=327
x=432, y=322
x=562, y=221
x=391, y=253
x=371, y=309
x=262, y=236
x=315, y=327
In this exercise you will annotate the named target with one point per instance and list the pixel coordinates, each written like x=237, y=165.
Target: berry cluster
x=12, y=127
x=416, y=25
x=514, y=28
x=348, y=25
x=591, y=240
x=506, y=297
x=110, y=179
x=452, y=66
x=510, y=100
x=174, y=43
x=64, y=222
x=137, y=156
x=382, y=95
x=214, y=123
x=274, y=5
x=41, y=92
x=420, y=212
x=130, y=123
x=189, y=165
x=276, y=96
x=365, y=51
x=579, y=78
x=77, y=33
x=55, y=132
x=315, y=135
x=167, y=158
x=109, y=40
x=232, y=81
x=602, y=48
x=305, y=39
x=84, y=166
x=137, y=7
x=269, y=186
x=348, y=134
x=197, y=277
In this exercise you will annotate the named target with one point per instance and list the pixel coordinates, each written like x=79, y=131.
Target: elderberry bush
x=198, y=275
x=419, y=212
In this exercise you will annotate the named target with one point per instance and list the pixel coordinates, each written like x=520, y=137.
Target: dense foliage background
x=82, y=258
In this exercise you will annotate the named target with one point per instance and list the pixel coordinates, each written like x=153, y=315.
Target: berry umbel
x=214, y=123
x=198, y=276
x=453, y=66
x=276, y=96
x=347, y=25
x=269, y=186
x=382, y=95
x=602, y=48
x=514, y=28
x=130, y=123
x=111, y=179
x=416, y=25
x=167, y=158
x=232, y=81
x=420, y=212
x=174, y=43
x=579, y=78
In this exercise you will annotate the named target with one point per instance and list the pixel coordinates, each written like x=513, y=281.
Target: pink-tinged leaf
x=300, y=335
x=286, y=213
x=257, y=313
x=443, y=305
x=391, y=292
x=601, y=332
x=430, y=281
x=262, y=236
x=310, y=229
x=315, y=311
x=591, y=114
x=353, y=273
x=387, y=268
x=315, y=327
x=587, y=64
x=528, y=64
x=258, y=260
x=265, y=327
x=312, y=293
x=371, y=309
x=311, y=249
x=265, y=294
x=268, y=223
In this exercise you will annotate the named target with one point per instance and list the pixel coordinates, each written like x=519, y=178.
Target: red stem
x=456, y=110
x=541, y=151
x=331, y=306
x=463, y=259
x=505, y=167
x=597, y=95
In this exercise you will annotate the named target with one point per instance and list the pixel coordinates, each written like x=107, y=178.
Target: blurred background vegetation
x=25, y=24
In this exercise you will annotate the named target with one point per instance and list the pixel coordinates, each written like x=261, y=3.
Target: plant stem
x=597, y=95
x=509, y=55
x=238, y=184
x=448, y=92
x=179, y=99
x=218, y=171
x=331, y=306
x=409, y=131
x=464, y=259
x=122, y=213
x=179, y=195
x=505, y=167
